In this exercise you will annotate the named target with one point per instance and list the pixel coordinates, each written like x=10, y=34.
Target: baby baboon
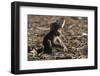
x=52, y=39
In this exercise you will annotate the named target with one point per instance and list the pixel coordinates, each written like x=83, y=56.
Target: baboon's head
x=54, y=26
x=58, y=25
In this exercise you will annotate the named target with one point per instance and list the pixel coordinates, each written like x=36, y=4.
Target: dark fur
x=50, y=40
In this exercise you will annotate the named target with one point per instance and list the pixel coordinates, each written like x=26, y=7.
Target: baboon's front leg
x=62, y=44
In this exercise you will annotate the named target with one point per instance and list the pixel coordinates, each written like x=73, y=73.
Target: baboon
x=52, y=39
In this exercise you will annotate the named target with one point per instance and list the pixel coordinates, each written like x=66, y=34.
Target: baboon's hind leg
x=48, y=50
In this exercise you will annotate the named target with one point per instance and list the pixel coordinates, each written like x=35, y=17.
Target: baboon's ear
x=63, y=23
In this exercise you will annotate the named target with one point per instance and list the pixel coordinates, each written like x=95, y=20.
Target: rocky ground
x=75, y=32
